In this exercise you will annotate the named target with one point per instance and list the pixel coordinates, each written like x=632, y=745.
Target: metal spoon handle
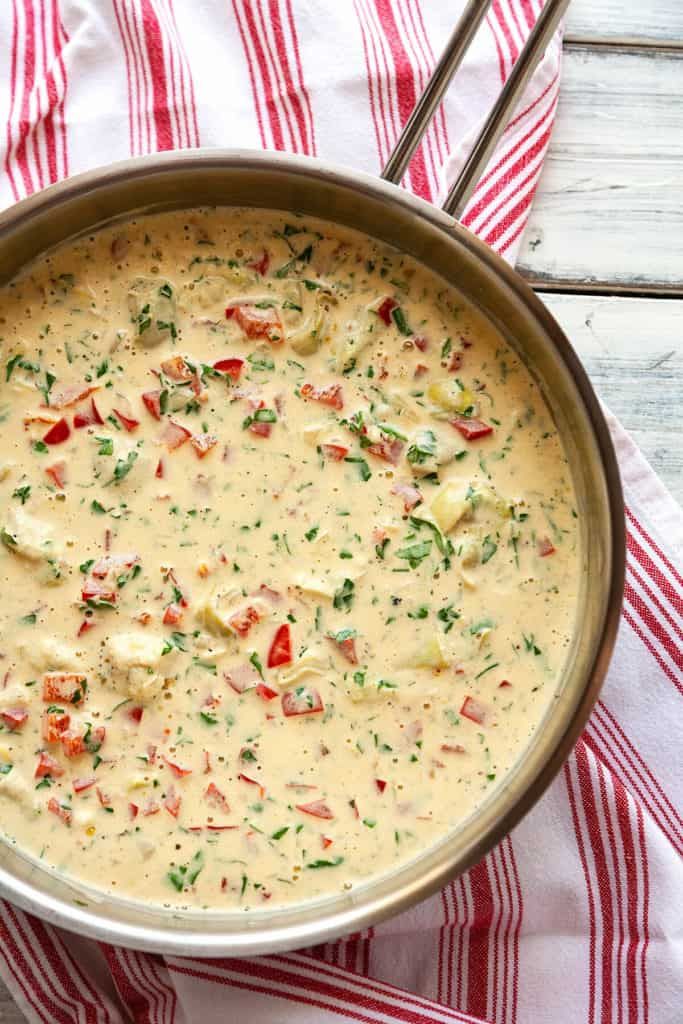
x=495, y=123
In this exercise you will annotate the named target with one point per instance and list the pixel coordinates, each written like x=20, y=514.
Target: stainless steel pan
x=386, y=212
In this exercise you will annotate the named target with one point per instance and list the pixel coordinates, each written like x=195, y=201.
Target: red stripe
x=406, y=96
x=654, y=599
x=478, y=926
x=662, y=582
x=374, y=90
x=655, y=627
x=155, y=55
x=131, y=996
x=640, y=778
x=632, y=902
x=519, y=186
x=282, y=57
x=29, y=57
x=141, y=91
x=646, y=915
x=484, y=196
x=430, y=141
x=655, y=547
x=129, y=76
x=499, y=14
x=651, y=648
x=580, y=844
x=271, y=107
x=314, y=991
x=277, y=96
x=300, y=75
x=31, y=970
x=13, y=94
x=613, y=871
x=157, y=971
x=190, y=103
x=441, y=133
x=252, y=77
x=384, y=79
x=16, y=963
x=70, y=993
x=528, y=13
x=501, y=59
x=497, y=983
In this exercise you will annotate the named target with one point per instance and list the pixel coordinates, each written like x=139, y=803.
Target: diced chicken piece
x=33, y=539
x=47, y=653
x=152, y=305
x=355, y=336
x=307, y=337
x=229, y=613
x=312, y=663
x=134, y=659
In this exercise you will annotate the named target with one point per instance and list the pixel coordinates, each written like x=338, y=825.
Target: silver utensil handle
x=495, y=123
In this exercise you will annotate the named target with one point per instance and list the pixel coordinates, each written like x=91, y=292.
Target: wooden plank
x=9, y=1013
x=633, y=351
x=642, y=21
x=608, y=208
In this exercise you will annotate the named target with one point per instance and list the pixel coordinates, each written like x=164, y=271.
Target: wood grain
x=609, y=206
x=633, y=351
x=653, y=21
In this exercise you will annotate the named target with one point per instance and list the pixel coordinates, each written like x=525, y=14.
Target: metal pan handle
x=493, y=127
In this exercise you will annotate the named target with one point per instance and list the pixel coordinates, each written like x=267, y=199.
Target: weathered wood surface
x=9, y=1013
x=651, y=21
x=609, y=207
x=633, y=351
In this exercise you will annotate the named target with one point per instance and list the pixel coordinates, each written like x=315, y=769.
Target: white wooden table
x=604, y=246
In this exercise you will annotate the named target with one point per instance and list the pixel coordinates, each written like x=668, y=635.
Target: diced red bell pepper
x=346, y=647
x=470, y=428
x=452, y=748
x=216, y=798
x=63, y=686
x=331, y=395
x=233, y=367
x=242, y=621
x=545, y=547
x=151, y=807
x=252, y=782
x=385, y=309
x=113, y=563
x=88, y=419
x=318, y=809
x=177, y=769
x=326, y=842
x=172, y=615
x=80, y=785
x=474, y=710
x=135, y=714
x=242, y=677
x=257, y=323
x=129, y=422
x=381, y=785
x=176, y=368
x=420, y=342
x=172, y=802
x=47, y=765
x=133, y=811
x=159, y=471
x=301, y=700
x=58, y=433
x=389, y=449
x=280, y=652
x=98, y=593
x=410, y=494
x=63, y=813
x=260, y=429
x=261, y=265
x=57, y=473
x=71, y=394
x=266, y=692
x=14, y=718
x=53, y=725
x=152, y=400
x=334, y=452
x=203, y=443
x=85, y=626
x=174, y=435
x=103, y=797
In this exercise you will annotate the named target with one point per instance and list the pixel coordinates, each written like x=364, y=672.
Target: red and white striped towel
x=576, y=916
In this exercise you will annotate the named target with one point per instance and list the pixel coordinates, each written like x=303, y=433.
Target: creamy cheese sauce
x=289, y=559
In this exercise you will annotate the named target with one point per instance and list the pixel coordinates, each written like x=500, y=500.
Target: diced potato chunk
x=430, y=654
x=135, y=658
x=313, y=662
x=152, y=305
x=308, y=336
x=32, y=539
x=447, y=394
x=229, y=613
x=450, y=506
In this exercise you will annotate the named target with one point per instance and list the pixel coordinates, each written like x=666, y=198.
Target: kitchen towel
x=576, y=916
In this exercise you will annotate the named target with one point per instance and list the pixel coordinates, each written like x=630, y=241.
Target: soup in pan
x=289, y=559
